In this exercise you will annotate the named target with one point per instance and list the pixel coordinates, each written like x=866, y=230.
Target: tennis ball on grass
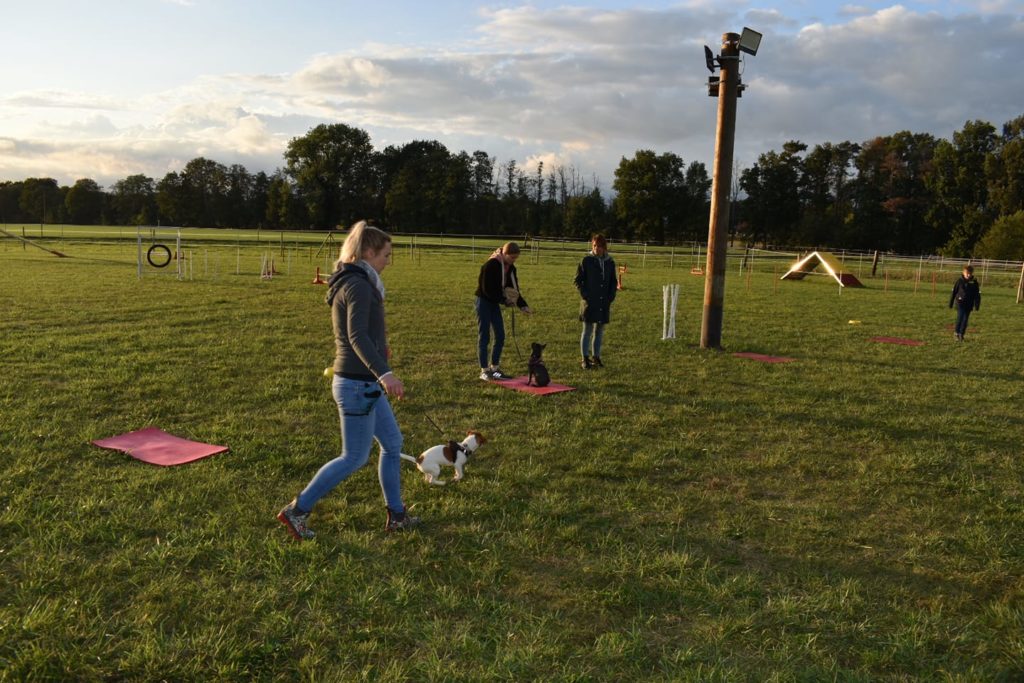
x=328, y=371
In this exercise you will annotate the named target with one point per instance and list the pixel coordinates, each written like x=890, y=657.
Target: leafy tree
x=283, y=206
x=586, y=214
x=959, y=203
x=907, y=199
x=84, y=202
x=652, y=195
x=772, y=207
x=428, y=187
x=825, y=193
x=236, y=207
x=205, y=184
x=482, y=191
x=41, y=200
x=335, y=173
x=482, y=172
x=256, y=203
x=133, y=201
x=10, y=208
x=172, y=200
x=1004, y=240
x=1004, y=170
x=890, y=194
x=869, y=225
x=698, y=210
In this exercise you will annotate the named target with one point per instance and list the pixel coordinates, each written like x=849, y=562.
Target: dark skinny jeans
x=488, y=315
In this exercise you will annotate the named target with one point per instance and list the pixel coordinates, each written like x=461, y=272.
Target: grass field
x=685, y=515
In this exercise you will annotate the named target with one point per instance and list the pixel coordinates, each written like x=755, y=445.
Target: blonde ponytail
x=361, y=238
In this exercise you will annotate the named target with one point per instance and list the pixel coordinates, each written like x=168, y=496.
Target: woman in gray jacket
x=363, y=382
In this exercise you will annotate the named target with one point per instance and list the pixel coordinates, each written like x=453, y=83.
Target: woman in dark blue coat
x=967, y=296
x=596, y=282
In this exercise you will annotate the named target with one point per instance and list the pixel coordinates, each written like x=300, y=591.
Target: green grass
x=684, y=515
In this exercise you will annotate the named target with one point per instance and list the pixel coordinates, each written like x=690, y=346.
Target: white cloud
x=568, y=86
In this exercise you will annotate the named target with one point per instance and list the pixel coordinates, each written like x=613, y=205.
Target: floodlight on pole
x=728, y=88
x=750, y=40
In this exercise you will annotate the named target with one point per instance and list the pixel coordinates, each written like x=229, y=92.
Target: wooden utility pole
x=718, y=226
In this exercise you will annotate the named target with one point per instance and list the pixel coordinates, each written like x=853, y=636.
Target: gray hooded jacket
x=357, y=314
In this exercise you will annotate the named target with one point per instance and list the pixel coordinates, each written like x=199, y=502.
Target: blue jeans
x=365, y=415
x=595, y=332
x=962, y=314
x=488, y=315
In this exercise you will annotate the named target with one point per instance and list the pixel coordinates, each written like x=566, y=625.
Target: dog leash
x=433, y=423
x=515, y=337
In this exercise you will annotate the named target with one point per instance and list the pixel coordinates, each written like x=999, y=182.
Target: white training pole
x=178, y=256
x=664, y=312
x=672, y=315
x=138, y=236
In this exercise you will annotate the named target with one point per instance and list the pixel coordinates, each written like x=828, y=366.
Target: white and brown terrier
x=452, y=453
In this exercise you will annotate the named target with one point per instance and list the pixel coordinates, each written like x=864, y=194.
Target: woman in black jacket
x=497, y=285
x=595, y=279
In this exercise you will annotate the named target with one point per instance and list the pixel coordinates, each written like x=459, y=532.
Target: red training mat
x=519, y=384
x=763, y=358
x=897, y=340
x=157, y=447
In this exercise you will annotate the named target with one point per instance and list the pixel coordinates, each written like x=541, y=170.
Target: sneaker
x=401, y=521
x=586, y=363
x=496, y=373
x=295, y=522
x=485, y=375
x=596, y=361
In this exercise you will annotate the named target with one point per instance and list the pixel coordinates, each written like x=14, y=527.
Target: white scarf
x=374, y=276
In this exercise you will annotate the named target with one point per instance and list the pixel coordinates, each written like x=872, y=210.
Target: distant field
x=684, y=515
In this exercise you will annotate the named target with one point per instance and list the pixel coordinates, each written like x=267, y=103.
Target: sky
x=112, y=88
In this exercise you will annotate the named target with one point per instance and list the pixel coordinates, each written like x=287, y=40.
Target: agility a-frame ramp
x=828, y=263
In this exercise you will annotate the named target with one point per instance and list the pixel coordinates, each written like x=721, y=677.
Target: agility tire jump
x=158, y=248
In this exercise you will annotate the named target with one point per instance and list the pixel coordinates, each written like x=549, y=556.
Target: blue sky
x=108, y=89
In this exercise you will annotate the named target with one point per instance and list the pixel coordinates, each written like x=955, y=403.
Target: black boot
x=597, y=362
x=586, y=363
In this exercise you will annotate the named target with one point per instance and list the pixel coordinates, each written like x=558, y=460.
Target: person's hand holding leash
x=392, y=385
x=527, y=310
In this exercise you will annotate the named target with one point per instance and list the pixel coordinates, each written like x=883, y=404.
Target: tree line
x=910, y=193
x=907, y=192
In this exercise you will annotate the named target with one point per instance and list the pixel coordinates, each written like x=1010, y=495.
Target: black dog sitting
x=538, y=371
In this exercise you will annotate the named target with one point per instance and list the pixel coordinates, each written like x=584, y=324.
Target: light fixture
x=709, y=59
x=750, y=40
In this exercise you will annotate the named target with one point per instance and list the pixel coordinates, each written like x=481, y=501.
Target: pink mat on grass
x=157, y=447
x=897, y=340
x=519, y=384
x=763, y=358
